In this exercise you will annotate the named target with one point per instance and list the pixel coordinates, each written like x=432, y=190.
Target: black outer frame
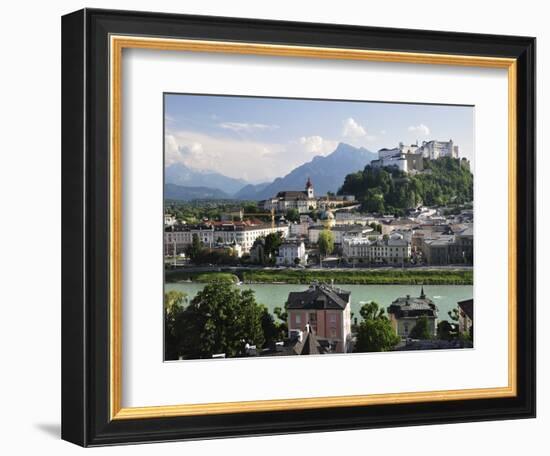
x=85, y=227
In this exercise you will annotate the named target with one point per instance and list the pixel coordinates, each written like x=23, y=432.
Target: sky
x=259, y=139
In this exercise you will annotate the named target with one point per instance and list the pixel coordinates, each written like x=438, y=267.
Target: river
x=445, y=297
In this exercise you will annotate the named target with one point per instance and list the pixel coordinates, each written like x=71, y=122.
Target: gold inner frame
x=117, y=44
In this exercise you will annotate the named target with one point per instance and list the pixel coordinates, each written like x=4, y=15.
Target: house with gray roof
x=323, y=310
x=405, y=312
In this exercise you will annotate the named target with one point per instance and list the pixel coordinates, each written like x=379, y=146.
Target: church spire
x=422, y=295
x=309, y=188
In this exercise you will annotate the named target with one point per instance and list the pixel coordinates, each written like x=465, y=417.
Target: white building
x=290, y=251
x=340, y=232
x=352, y=218
x=405, y=158
x=436, y=149
x=408, y=158
x=394, y=250
x=302, y=201
x=391, y=158
x=241, y=233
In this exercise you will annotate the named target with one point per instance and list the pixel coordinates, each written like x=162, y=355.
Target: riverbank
x=355, y=276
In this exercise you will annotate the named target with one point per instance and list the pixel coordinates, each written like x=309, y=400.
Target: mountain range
x=184, y=193
x=180, y=174
x=326, y=173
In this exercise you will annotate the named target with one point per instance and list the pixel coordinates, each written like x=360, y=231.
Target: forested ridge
x=444, y=181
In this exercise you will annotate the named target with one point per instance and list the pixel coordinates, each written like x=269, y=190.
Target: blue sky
x=259, y=139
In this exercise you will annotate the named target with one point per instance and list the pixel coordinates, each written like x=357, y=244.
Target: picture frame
x=92, y=366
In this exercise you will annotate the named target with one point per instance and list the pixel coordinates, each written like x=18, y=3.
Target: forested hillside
x=444, y=181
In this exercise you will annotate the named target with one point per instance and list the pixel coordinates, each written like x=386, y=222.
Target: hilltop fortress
x=410, y=158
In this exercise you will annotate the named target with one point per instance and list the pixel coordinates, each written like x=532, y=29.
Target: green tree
x=374, y=333
x=445, y=181
x=281, y=314
x=272, y=243
x=195, y=249
x=220, y=319
x=376, y=227
x=372, y=311
x=274, y=331
x=174, y=302
x=326, y=242
x=422, y=329
x=446, y=330
x=251, y=208
x=292, y=215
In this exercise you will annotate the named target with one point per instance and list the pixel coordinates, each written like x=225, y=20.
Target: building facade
x=304, y=201
x=340, y=232
x=323, y=310
x=437, y=149
x=410, y=158
x=453, y=248
x=405, y=312
x=466, y=317
x=291, y=253
x=177, y=238
x=393, y=250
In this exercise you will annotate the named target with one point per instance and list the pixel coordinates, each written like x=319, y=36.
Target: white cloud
x=352, y=129
x=419, y=129
x=318, y=145
x=241, y=158
x=246, y=127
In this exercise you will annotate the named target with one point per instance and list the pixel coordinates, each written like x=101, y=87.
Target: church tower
x=309, y=188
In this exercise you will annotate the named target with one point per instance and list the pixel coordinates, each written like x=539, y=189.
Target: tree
x=376, y=227
x=371, y=311
x=297, y=261
x=250, y=208
x=272, y=243
x=220, y=319
x=445, y=180
x=274, y=331
x=174, y=302
x=422, y=329
x=292, y=215
x=375, y=332
x=326, y=242
x=448, y=330
x=195, y=249
x=445, y=330
x=281, y=314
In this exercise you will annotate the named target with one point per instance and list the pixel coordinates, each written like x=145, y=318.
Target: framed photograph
x=278, y=227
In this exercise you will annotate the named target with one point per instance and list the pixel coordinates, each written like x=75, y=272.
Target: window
x=298, y=319
x=313, y=321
